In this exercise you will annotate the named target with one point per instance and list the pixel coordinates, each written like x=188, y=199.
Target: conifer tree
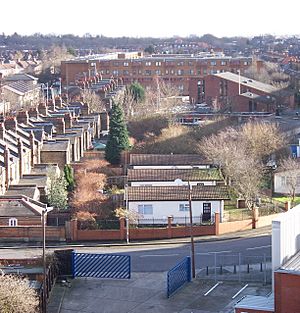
x=118, y=135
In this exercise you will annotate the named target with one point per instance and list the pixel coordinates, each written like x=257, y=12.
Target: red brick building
x=181, y=70
x=237, y=93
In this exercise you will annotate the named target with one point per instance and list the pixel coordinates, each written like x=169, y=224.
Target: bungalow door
x=206, y=216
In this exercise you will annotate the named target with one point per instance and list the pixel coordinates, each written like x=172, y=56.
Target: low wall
x=266, y=220
x=231, y=227
x=145, y=233
x=32, y=233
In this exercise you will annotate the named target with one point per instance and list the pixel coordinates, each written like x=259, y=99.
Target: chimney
x=58, y=102
x=68, y=120
x=32, y=147
x=85, y=109
x=2, y=131
x=104, y=117
x=20, y=152
x=33, y=112
x=60, y=126
x=43, y=109
x=7, y=167
x=23, y=117
x=10, y=123
x=51, y=105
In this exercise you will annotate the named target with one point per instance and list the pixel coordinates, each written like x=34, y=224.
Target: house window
x=158, y=63
x=126, y=64
x=145, y=209
x=183, y=207
x=223, y=63
x=148, y=63
x=180, y=72
x=213, y=63
x=12, y=222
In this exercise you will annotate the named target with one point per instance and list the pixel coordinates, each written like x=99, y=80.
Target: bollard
x=234, y=269
x=248, y=268
x=206, y=270
x=261, y=267
x=221, y=269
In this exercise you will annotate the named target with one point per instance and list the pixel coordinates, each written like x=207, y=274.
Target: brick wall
x=31, y=233
x=287, y=291
x=22, y=221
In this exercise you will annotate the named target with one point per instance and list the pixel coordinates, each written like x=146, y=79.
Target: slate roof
x=245, y=81
x=20, y=87
x=167, y=159
x=260, y=303
x=177, y=193
x=56, y=146
x=172, y=174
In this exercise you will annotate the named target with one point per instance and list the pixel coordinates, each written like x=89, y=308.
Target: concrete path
x=145, y=293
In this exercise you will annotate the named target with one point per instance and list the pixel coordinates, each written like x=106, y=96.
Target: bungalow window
x=283, y=181
x=183, y=207
x=12, y=222
x=145, y=209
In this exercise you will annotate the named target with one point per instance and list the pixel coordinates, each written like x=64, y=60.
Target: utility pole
x=191, y=231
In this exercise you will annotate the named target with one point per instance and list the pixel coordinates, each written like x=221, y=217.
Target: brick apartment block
x=183, y=71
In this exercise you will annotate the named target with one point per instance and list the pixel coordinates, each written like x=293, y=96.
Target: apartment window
x=245, y=63
x=140, y=72
x=199, y=72
x=157, y=72
x=191, y=72
x=116, y=63
x=180, y=63
x=107, y=71
x=148, y=63
x=191, y=63
x=180, y=88
x=172, y=72
x=158, y=63
x=223, y=63
x=115, y=72
x=125, y=72
x=126, y=64
x=213, y=63
x=145, y=209
x=179, y=72
x=167, y=72
x=12, y=222
x=148, y=72
x=183, y=207
x=204, y=72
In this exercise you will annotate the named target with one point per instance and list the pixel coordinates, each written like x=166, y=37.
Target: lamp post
x=127, y=214
x=44, y=300
x=191, y=231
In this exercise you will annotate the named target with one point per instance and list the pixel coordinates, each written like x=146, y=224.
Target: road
x=162, y=257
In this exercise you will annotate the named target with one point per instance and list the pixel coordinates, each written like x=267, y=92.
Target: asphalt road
x=161, y=257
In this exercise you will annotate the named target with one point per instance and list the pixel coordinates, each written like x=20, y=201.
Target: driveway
x=146, y=292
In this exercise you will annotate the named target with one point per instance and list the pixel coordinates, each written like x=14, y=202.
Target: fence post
x=265, y=269
x=189, y=269
x=122, y=228
x=170, y=226
x=240, y=267
x=215, y=255
x=217, y=223
x=73, y=264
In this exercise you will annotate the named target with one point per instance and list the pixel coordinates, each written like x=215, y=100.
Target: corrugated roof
x=167, y=159
x=293, y=264
x=175, y=193
x=257, y=303
x=172, y=174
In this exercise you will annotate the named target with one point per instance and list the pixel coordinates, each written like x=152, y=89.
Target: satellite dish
x=178, y=182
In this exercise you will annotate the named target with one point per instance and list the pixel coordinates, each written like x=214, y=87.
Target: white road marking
x=260, y=247
x=212, y=288
x=154, y=255
x=212, y=252
x=241, y=290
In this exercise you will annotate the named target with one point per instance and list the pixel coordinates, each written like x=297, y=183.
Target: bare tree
x=291, y=167
x=94, y=100
x=16, y=296
x=261, y=139
x=241, y=153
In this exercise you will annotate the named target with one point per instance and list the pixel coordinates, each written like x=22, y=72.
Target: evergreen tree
x=69, y=177
x=137, y=91
x=57, y=194
x=118, y=135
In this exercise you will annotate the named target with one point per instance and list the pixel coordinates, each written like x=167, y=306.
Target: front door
x=206, y=216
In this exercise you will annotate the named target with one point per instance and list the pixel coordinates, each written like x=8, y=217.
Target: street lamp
x=191, y=231
x=179, y=182
x=44, y=212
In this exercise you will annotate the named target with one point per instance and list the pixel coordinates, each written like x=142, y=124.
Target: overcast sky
x=155, y=18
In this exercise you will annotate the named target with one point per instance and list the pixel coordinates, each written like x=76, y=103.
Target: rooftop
x=177, y=193
x=56, y=146
x=292, y=265
x=245, y=81
x=172, y=174
x=167, y=159
x=257, y=303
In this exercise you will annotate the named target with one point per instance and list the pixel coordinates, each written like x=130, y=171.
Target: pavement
x=263, y=231
x=146, y=292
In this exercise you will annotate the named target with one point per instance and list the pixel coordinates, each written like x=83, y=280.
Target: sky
x=155, y=18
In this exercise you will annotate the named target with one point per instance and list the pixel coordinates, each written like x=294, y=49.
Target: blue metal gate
x=178, y=275
x=101, y=265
